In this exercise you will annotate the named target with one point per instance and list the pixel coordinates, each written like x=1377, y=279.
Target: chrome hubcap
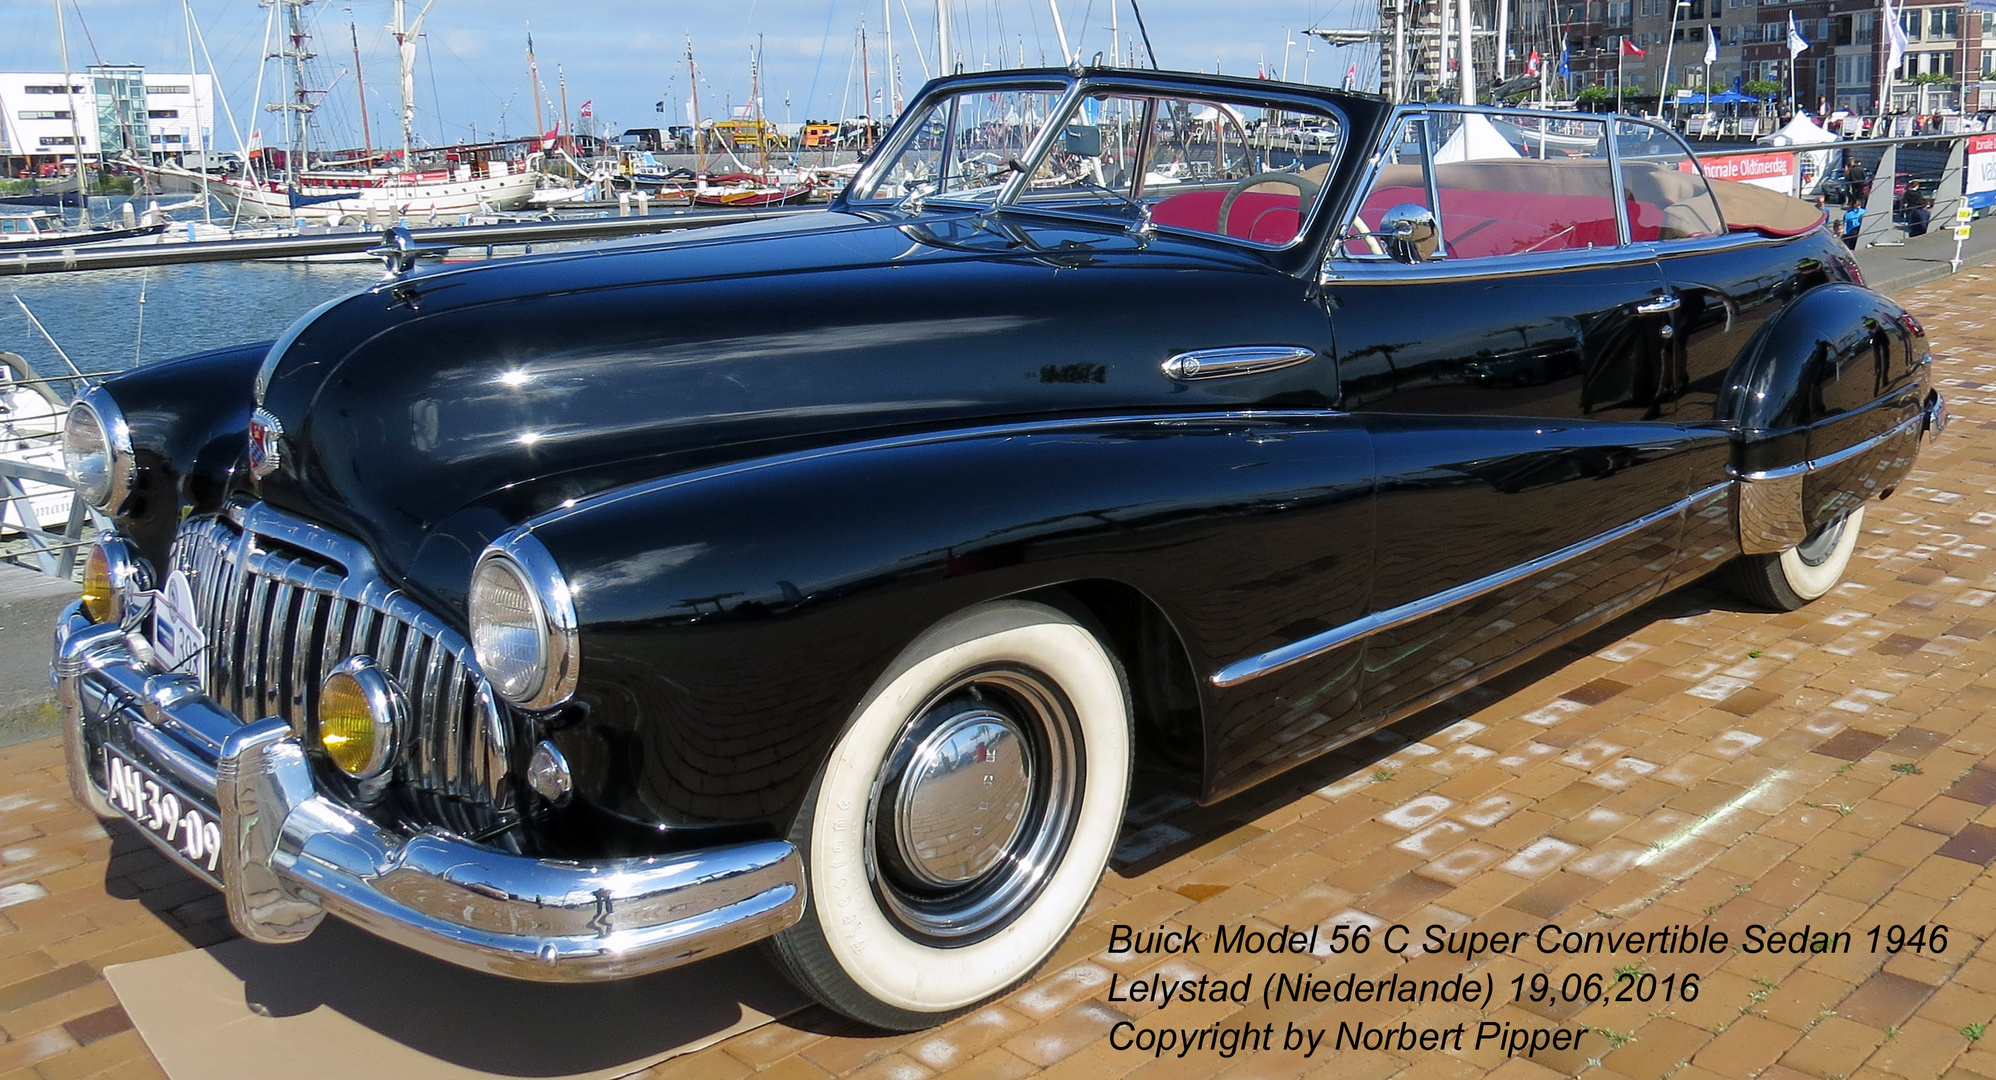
x=975, y=805
x=1816, y=550
x=963, y=798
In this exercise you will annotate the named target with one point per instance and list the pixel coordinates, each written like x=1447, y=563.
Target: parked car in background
x=818, y=581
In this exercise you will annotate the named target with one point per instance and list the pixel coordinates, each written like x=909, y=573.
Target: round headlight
x=110, y=573
x=361, y=713
x=97, y=450
x=523, y=629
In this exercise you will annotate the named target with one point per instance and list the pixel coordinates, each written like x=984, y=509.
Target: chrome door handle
x=1237, y=360
x=1662, y=305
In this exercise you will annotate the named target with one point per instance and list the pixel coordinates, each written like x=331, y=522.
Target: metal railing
x=26, y=543
x=85, y=256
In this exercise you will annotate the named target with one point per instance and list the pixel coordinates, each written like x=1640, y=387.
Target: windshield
x=965, y=146
x=1223, y=167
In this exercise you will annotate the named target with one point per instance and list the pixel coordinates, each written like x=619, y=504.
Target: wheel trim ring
x=986, y=906
x=1820, y=548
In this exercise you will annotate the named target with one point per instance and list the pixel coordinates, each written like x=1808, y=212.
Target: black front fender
x=732, y=620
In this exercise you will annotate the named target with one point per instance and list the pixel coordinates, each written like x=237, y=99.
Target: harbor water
x=109, y=320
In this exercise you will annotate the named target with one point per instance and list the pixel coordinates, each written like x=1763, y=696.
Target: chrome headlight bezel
x=108, y=486
x=551, y=621
x=125, y=573
x=387, y=710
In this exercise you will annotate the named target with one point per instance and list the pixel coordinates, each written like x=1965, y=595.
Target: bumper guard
x=289, y=854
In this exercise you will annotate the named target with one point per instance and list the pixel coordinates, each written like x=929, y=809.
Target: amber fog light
x=361, y=713
x=111, y=572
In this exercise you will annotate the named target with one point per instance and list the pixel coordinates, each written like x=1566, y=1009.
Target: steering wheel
x=1306, y=189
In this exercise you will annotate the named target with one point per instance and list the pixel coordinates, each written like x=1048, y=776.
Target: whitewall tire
x=961, y=823
x=1789, y=579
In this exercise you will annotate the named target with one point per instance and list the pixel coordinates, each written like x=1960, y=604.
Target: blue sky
x=626, y=55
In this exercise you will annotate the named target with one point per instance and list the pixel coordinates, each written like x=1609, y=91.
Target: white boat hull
x=386, y=201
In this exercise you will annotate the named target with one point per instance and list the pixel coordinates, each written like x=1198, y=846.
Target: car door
x=1531, y=474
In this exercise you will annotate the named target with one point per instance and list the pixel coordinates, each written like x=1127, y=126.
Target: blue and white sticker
x=176, y=629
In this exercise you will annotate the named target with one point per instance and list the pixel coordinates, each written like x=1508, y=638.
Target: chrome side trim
x=1838, y=457
x=1771, y=519
x=1276, y=659
x=1236, y=360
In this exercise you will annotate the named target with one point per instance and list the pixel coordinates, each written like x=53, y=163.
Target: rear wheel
x=963, y=819
x=1789, y=579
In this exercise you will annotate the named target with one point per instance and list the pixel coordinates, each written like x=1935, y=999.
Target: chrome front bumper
x=289, y=854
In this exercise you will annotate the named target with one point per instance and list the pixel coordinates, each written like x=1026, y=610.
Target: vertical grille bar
x=277, y=618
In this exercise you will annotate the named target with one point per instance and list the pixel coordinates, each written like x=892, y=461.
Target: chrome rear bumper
x=289, y=854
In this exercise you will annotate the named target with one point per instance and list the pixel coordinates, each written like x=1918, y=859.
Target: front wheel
x=961, y=822
x=1788, y=579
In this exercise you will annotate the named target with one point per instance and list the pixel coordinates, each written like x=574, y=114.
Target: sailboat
x=743, y=189
x=467, y=179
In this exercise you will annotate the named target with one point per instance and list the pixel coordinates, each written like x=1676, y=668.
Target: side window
x=1517, y=185
x=1235, y=169
x=1668, y=196
x=1402, y=181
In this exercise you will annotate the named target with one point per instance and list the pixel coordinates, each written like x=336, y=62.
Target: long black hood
x=428, y=415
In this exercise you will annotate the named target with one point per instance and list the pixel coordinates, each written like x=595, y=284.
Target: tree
x=1762, y=88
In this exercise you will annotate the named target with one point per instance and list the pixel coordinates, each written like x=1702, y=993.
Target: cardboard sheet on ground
x=343, y=1004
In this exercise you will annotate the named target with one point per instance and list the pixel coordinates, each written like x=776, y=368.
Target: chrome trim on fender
x=1236, y=360
x=1770, y=500
x=1273, y=660
x=290, y=854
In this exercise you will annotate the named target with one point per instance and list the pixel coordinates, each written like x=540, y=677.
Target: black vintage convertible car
x=816, y=581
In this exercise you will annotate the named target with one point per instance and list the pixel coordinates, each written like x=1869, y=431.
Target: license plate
x=180, y=822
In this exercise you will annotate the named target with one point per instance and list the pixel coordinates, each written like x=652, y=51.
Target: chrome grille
x=282, y=601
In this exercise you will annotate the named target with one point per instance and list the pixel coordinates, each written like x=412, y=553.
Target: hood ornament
x=399, y=252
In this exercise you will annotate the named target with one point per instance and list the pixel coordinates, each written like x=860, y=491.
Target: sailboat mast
x=693, y=80
x=194, y=86
x=755, y=100
x=865, y=90
x=360, y=91
x=406, y=36
x=75, y=127
x=534, y=87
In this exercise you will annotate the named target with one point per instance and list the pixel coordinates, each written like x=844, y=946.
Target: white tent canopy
x=1800, y=131
x=1475, y=140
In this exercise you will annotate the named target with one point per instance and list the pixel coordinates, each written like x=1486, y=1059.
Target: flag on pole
x=586, y=106
x=1711, y=45
x=1630, y=48
x=1796, y=42
x=1351, y=75
x=1895, y=38
x=1532, y=63
x=1566, y=70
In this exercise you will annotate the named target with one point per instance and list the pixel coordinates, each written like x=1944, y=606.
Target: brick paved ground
x=1693, y=764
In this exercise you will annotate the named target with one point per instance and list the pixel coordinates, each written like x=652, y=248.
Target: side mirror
x=1410, y=232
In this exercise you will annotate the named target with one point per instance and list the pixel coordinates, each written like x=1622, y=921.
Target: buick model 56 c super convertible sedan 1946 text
x=816, y=581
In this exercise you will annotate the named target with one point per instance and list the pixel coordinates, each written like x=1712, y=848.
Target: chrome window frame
x=1339, y=266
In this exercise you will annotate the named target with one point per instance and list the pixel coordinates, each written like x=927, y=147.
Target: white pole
x=1066, y=54
x=942, y=37
x=1446, y=15
x=1398, y=88
x=1465, y=43
x=1503, y=35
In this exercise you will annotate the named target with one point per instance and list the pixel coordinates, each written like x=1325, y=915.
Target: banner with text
x=1776, y=172
x=1980, y=187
